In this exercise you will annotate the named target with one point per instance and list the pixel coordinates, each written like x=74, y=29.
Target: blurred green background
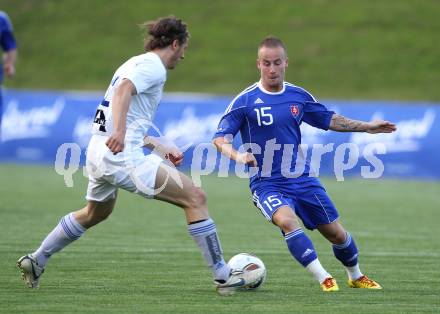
x=338, y=48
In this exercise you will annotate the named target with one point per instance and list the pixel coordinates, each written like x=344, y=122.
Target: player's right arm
x=228, y=127
x=226, y=148
x=9, y=46
x=120, y=104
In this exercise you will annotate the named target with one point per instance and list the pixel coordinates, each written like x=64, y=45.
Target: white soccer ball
x=247, y=262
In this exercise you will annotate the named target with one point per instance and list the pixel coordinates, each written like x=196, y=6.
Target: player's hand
x=247, y=159
x=171, y=153
x=380, y=126
x=175, y=156
x=9, y=69
x=116, y=142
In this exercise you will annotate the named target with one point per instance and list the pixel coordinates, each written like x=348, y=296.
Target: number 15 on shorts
x=272, y=202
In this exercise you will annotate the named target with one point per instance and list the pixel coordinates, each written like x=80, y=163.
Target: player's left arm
x=340, y=123
x=167, y=151
x=9, y=59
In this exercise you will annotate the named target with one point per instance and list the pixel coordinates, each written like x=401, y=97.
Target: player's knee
x=288, y=224
x=197, y=198
x=335, y=236
x=194, y=199
x=338, y=237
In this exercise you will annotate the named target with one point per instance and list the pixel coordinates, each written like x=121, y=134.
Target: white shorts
x=132, y=171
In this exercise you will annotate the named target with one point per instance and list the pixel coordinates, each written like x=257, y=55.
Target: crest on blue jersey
x=294, y=110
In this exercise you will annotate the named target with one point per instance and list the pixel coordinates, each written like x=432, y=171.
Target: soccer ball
x=248, y=262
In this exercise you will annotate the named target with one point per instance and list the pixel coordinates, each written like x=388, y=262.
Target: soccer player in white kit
x=115, y=159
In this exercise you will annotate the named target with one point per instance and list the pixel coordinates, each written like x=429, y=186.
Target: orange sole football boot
x=364, y=282
x=329, y=285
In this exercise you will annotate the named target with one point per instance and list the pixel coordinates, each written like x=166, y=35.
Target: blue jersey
x=269, y=125
x=7, y=40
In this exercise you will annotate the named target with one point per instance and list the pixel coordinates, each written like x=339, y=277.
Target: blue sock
x=301, y=247
x=346, y=252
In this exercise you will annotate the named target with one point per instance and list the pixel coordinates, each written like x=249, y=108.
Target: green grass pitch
x=142, y=260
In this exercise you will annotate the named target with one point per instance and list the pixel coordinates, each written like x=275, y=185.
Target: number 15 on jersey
x=264, y=117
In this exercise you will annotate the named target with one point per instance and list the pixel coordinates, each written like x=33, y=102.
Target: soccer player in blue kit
x=268, y=115
x=9, y=47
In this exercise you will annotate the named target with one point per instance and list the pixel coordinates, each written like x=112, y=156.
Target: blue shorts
x=306, y=196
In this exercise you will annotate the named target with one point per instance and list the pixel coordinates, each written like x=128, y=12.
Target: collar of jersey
x=260, y=86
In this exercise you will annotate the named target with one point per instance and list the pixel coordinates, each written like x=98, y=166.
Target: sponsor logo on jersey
x=259, y=101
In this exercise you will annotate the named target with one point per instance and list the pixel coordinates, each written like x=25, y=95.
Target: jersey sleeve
x=7, y=39
x=232, y=120
x=144, y=75
x=317, y=115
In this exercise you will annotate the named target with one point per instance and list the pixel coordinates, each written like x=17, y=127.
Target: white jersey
x=148, y=75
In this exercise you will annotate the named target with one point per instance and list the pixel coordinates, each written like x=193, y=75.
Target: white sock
x=204, y=234
x=67, y=231
x=316, y=269
x=353, y=272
